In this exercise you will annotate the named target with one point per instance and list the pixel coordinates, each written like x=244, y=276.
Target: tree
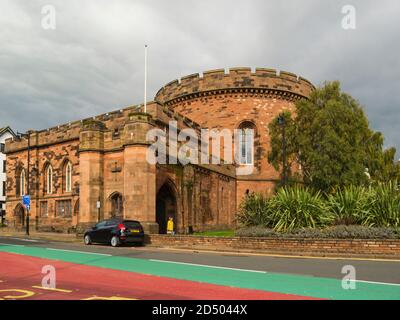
x=331, y=140
x=275, y=155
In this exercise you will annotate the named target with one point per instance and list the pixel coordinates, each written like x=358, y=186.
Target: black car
x=115, y=232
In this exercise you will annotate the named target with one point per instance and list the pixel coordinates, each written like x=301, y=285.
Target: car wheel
x=87, y=240
x=115, y=241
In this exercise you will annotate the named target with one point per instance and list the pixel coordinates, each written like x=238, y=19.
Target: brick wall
x=315, y=247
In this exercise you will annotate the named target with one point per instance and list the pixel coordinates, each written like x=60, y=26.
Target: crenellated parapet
x=92, y=136
x=263, y=81
x=136, y=128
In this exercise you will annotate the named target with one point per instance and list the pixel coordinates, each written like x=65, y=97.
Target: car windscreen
x=132, y=224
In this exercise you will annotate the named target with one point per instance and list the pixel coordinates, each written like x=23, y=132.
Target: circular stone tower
x=237, y=100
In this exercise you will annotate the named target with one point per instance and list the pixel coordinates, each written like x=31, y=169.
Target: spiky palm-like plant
x=350, y=205
x=385, y=206
x=298, y=207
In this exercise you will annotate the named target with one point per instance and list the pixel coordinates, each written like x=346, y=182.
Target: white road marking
x=14, y=245
x=257, y=271
x=264, y=254
x=75, y=251
x=374, y=282
x=27, y=240
x=207, y=266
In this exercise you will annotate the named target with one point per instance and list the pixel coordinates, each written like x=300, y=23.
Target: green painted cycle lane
x=274, y=282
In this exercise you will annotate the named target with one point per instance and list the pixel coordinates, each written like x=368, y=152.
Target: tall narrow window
x=246, y=144
x=22, y=180
x=68, y=177
x=49, y=180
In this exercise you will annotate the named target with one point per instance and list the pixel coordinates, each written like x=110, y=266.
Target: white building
x=5, y=133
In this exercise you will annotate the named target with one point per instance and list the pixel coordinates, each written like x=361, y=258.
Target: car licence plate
x=135, y=230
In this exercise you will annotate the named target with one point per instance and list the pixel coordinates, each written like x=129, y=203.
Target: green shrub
x=384, y=206
x=359, y=232
x=297, y=207
x=335, y=232
x=350, y=205
x=254, y=210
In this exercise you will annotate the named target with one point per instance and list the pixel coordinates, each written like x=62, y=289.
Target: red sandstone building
x=102, y=160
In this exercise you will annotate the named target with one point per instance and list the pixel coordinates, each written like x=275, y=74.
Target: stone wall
x=42, y=156
x=262, y=80
x=315, y=247
x=205, y=198
x=107, y=153
x=108, y=157
x=219, y=100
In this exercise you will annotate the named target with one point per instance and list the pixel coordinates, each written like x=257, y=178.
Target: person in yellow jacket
x=170, y=226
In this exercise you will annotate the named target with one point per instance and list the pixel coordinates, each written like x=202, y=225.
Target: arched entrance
x=19, y=214
x=117, y=206
x=166, y=207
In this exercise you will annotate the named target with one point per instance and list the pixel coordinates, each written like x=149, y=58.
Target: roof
x=5, y=129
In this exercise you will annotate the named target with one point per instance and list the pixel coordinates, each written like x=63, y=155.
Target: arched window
x=246, y=143
x=22, y=183
x=68, y=177
x=49, y=179
x=117, y=207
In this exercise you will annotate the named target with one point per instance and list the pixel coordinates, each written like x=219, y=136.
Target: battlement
x=261, y=80
x=110, y=123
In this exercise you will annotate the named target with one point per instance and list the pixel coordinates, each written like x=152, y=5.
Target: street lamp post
x=282, y=123
x=28, y=136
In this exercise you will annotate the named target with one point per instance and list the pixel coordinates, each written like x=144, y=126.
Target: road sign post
x=28, y=136
x=26, y=200
x=98, y=206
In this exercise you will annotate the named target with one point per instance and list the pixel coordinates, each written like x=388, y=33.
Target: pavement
x=63, y=237
x=103, y=272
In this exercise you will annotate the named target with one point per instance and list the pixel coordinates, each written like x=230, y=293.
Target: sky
x=93, y=61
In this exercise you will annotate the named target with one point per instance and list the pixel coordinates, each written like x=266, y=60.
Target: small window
x=111, y=223
x=63, y=208
x=115, y=133
x=44, y=209
x=2, y=147
x=101, y=224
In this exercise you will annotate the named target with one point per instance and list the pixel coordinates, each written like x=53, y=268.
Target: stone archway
x=19, y=215
x=166, y=206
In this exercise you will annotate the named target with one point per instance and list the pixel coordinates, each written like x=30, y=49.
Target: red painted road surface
x=20, y=274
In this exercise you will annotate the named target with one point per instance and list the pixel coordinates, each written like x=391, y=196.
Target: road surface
x=103, y=272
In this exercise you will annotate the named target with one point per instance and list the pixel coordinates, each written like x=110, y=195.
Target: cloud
x=93, y=61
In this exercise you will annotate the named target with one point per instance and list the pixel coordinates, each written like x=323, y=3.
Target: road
x=97, y=271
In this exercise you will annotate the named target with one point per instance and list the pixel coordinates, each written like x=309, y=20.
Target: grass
x=222, y=233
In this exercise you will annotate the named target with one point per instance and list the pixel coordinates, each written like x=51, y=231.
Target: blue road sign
x=26, y=200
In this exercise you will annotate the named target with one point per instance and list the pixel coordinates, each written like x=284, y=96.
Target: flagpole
x=145, y=78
